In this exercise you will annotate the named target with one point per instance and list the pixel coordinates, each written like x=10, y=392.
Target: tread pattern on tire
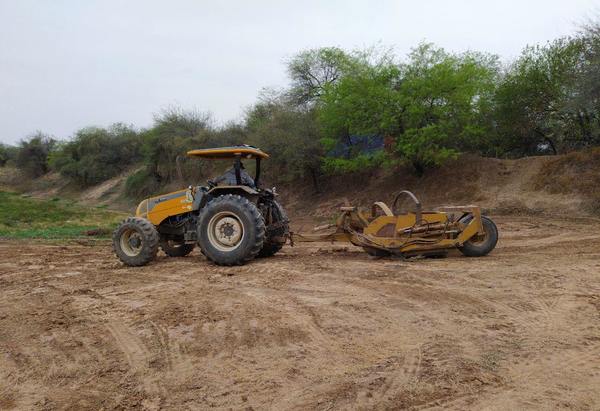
x=473, y=250
x=258, y=229
x=270, y=248
x=150, y=240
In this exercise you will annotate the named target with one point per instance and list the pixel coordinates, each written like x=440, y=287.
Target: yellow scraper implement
x=380, y=231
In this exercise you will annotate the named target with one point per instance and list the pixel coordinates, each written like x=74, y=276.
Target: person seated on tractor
x=229, y=178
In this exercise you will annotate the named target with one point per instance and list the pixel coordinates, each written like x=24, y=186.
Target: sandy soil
x=318, y=326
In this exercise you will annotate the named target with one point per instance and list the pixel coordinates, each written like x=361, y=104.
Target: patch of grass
x=26, y=217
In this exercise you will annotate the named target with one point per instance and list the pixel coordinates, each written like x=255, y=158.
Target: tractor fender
x=244, y=191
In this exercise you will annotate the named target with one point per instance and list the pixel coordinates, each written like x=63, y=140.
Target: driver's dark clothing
x=229, y=178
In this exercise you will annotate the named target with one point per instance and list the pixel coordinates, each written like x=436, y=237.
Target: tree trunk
x=315, y=180
x=419, y=168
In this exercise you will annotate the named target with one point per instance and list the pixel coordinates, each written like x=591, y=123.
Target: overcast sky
x=73, y=63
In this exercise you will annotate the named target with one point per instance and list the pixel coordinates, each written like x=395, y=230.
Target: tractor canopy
x=237, y=153
x=243, y=152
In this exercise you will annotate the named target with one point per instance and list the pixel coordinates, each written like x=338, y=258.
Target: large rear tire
x=276, y=232
x=479, y=246
x=231, y=230
x=269, y=249
x=135, y=241
x=176, y=249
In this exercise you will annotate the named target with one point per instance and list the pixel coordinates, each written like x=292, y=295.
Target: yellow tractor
x=233, y=219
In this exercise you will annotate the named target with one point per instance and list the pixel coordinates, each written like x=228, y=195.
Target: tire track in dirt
x=551, y=308
x=398, y=379
x=467, y=384
x=460, y=401
x=136, y=354
x=541, y=372
x=164, y=350
x=372, y=387
x=310, y=322
x=170, y=351
x=517, y=312
x=553, y=240
x=575, y=359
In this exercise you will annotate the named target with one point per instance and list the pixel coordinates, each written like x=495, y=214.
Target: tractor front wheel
x=231, y=230
x=135, y=241
x=481, y=245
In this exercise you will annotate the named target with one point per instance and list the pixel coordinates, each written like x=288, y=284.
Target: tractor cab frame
x=238, y=154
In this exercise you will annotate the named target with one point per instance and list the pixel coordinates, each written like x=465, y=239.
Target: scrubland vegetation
x=345, y=111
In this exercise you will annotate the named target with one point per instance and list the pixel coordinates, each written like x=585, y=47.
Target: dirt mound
x=523, y=186
x=575, y=174
x=555, y=185
x=109, y=193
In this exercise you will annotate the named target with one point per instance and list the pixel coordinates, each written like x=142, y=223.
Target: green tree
x=311, y=71
x=585, y=98
x=432, y=107
x=364, y=102
x=174, y=132
x=290, y=134
x=445, y=102
x=535, y=109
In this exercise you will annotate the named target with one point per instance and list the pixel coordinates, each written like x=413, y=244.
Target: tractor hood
x=156, y=209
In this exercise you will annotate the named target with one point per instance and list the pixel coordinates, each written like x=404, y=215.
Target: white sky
x=66, y=64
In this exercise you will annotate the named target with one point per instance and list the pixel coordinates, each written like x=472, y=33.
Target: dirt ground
x=318, y=326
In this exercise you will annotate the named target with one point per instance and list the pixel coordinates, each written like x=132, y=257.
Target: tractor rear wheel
x=478, y=246
x=276, y=232
x=269, y=249
x=231, y=230
x=135, y=241
x=175, y=248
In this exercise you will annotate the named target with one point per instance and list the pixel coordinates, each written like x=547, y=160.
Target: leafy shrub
x=7, y=154
x=32, y=156
x=140, y=185
x=97, y=154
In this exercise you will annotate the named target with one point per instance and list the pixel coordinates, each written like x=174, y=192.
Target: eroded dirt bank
x=318, y=326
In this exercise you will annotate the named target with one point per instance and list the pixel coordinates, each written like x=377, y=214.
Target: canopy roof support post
x=237, y=165
x=257, y=176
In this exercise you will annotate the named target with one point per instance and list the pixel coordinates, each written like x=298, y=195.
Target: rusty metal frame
x=413, y=231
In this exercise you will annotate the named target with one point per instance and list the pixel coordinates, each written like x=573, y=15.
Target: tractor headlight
x=142, y=209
